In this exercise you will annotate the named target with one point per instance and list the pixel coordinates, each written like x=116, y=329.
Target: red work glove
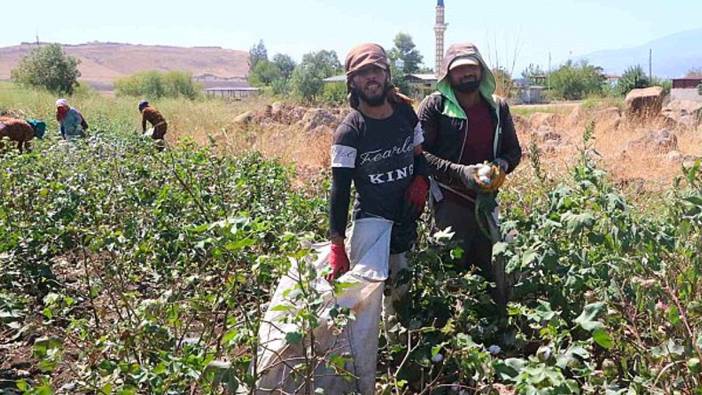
x=338, y=261
x=416, y=194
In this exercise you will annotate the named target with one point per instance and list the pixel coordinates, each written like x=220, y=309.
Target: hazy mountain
x=673, y=55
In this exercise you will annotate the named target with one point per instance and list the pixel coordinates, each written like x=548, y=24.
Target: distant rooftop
x=424, y=76
x=232, y=88
x=336, y=78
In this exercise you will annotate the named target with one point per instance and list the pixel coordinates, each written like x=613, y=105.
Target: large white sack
x=369, y=251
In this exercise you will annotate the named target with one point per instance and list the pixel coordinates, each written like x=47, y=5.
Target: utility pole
x=548, y=72
x=650, y=65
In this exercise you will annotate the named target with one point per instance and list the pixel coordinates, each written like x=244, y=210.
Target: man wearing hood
x=465, y=125
x=377, y=147
x=71, y=121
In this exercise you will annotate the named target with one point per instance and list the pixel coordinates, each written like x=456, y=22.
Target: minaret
x=439, y=29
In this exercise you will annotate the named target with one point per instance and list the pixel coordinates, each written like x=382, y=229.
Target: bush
x=334, y=93
x=280, y=87
x=50, y=68
x=633, y=78
x=155, y=84
x=574, y=81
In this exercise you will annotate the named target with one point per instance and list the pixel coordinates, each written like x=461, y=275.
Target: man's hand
x=338, y=261
x=490, y=177
x=416, y=194
x=467, y=174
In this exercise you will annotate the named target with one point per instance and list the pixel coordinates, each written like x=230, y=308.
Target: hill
x=102, y=63
x=673, y=55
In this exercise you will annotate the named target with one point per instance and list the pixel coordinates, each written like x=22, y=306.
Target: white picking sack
x=369, y=251
x=148, y=133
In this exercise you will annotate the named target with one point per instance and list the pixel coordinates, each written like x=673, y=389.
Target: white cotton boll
x=494, y=349
x=484, y=171
x=437, y=358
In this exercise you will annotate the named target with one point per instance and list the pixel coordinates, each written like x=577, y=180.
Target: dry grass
x=207, y=121
x=639, y=168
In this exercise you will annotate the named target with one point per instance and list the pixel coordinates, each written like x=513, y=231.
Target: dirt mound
x=521, y=124
x=658, y=141
x=285, y=116
x=607, y=119
x=316, y=117
x=685, y=113
x=539, y=120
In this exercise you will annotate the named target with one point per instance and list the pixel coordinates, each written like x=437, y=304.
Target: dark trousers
x=477, y=248
x=159, y=131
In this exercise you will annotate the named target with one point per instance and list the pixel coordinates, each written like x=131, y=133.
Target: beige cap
x=462, y=61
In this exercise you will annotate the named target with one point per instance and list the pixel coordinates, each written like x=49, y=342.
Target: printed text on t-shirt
x=379, y=154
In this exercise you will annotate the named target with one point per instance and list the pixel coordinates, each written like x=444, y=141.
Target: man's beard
x=374, y=101
x=467, y=86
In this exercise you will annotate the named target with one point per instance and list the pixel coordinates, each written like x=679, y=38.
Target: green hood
x=487, y=86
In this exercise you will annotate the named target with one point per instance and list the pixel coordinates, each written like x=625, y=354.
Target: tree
x=308, y=75
x=503, y=80
x=264, y=73
x=257, y=53
x=50, y=68
x=285, y=64
x=406, y=52
x=325, y=62
x=574, y=81
x=633, y=78
x=307, y=84
x=397, y=77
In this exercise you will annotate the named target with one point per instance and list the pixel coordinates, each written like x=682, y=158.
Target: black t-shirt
x=381, y=154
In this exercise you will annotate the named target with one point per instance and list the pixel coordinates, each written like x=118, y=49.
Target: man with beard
x=465, y=125
x=377, y=147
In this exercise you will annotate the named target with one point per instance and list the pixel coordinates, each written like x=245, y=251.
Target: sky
x=512, y=33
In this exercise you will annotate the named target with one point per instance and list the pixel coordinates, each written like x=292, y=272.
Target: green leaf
x=575, y=223
x=673, y=315
x=509, y=368
x=601, y=337
x=337, y=361
x=44, y=389
x=283, y=308
x=22, y=385
x=293, y=337
x=456, y=253
x=587, y=318
x=449, y=328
